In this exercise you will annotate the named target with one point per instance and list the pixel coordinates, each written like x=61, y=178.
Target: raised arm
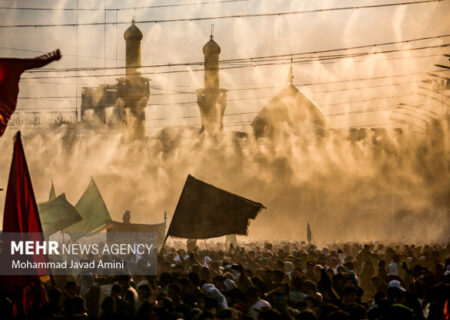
x=41, y=61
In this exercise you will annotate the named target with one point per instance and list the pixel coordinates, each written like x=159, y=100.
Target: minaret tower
x=133, y=89
x=212, y=100
x=133, y=37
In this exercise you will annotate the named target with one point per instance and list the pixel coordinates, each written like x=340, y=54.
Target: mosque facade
x=123, y=104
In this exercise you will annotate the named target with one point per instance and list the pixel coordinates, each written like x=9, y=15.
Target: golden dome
x=290, y=110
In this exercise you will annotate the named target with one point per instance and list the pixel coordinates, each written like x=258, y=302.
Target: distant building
x=100, y=105
x=212, y=100
x=121, y=105
x=290, y=112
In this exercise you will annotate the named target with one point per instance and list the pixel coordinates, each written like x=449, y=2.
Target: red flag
x=10, y=72
x=21, y=213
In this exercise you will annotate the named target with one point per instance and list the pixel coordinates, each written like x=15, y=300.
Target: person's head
x=225, y=314
x=116, y=290
x=195, y=313
x=204, y=274
x=310, y=288
x=144, y=291
x=277, y=277
x=376, y=281
x=54, y=296
x=306, y=315
x=164, y=279
x=174, y=291
x=78, y=305
x=349, y=295
x=6, y=305
x=167, y=304
x=341, y=269
x=396, y=258
x=207, y=316
x=194, y=278
x=379, y=297
x=317, y=270
x=252, y=295
x=124, y=281
x=339, y=315
x=269, y=314
x=357, y=311
x=72, y=288
x=210, y=304
x=349, y=266
x=395, y=293
x=297, y=284
x=333, y=261
x=382, y=273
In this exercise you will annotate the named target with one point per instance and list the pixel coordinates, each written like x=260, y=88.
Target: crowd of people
x=259, y=281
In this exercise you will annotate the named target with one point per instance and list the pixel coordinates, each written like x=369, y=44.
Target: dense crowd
x=257, y=281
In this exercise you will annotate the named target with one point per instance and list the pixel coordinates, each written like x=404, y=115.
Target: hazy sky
x=179, y=42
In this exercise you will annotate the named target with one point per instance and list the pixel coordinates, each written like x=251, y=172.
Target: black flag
x=204, y=211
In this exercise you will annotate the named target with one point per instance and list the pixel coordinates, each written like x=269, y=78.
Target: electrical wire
x=254, y=15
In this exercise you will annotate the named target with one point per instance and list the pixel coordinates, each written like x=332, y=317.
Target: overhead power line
x=254, y=15
x=375, y=109
x=172, y=93
x=176, y=103
x=364, y=79
x=122, y=9
x=285, y=55
x=370, y=109
x=251, y=65
x=306, y=84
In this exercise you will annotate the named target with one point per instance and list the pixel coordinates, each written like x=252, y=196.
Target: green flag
x=93, y=211
x=57, y=214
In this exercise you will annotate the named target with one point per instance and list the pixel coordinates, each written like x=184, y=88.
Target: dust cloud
x=389, y=186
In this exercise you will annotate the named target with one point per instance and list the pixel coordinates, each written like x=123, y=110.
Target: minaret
x=133, y=89
x=133, y=37
x=212, y=100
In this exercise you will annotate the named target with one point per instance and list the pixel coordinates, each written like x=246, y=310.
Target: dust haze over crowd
x=348, y=191
x=393, y=186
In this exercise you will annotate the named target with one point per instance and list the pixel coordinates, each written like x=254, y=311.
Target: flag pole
x=165, y=220
x=167, y=235
x=164, y=242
